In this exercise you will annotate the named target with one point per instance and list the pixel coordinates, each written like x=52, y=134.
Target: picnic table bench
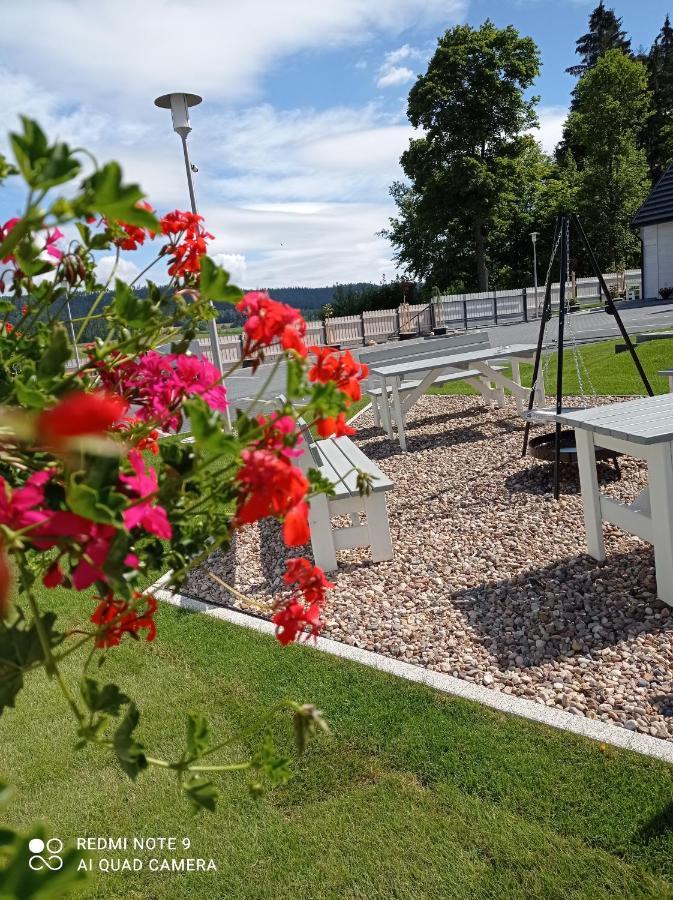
x=424, y=349
x=337, y=459
x=396, y=401
x=641, y=428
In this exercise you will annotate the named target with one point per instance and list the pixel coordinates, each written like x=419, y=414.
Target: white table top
x=442, y=360
x=647, y=420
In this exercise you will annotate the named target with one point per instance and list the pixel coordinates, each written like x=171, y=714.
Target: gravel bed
x=490, y=580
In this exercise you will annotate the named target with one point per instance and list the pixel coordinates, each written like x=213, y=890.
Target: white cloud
x=293, y=196
x=125, y=53
x=235, y=264
x=126, y=270
x=391, y=74
x=393, y=77
x=550, y=131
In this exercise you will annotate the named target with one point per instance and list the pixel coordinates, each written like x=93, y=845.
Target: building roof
x=659, y=205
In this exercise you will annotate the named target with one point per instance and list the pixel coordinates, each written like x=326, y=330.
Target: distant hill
x=310, y=298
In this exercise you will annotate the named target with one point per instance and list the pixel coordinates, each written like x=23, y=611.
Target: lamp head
x=179, y=104
x=534, y=236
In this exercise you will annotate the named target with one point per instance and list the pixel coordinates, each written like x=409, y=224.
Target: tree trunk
x=482, y=271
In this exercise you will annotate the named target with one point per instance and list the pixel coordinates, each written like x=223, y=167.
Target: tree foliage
x=658, y=135
x=470, y=160
x=605, y=33
x=613, y=103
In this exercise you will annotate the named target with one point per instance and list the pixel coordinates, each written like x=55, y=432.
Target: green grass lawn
x=413, y=795
x=610, y=372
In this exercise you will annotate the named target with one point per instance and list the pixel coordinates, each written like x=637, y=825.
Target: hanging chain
x=543, y=372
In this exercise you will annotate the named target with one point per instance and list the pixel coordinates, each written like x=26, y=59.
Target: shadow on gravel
x=385, y=448
x=539, y=478
x=569, y=608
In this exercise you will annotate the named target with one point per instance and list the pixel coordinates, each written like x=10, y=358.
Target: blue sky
x=303, y=120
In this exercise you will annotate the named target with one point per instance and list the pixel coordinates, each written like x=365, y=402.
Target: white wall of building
x=657, y=257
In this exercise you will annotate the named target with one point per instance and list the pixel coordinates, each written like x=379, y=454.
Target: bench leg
x=516, y=378
x=322, y=539
x=591, y=498
x=376, y=412
x=379, y=527
x=660, y=471
x=385, y=411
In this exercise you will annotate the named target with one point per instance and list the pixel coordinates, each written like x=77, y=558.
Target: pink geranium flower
x=146, y=514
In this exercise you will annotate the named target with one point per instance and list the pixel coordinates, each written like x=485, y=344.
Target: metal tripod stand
x=561, y=235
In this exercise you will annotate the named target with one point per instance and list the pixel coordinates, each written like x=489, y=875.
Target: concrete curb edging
x=447, y=684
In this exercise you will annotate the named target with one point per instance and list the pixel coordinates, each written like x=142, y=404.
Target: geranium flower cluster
x=187, y=239
x=187, y=242
x=115, y=618
x=302, y=610
x=157, y=385
x=269, y=483
x=269, y=321
x=345, y=373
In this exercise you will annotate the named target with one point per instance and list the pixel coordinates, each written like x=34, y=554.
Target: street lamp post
x=534, y=237
x=179, y=104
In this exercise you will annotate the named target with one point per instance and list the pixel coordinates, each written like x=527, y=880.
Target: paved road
x=594, y=325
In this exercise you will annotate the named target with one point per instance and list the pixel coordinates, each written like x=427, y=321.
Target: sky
x=303, y=120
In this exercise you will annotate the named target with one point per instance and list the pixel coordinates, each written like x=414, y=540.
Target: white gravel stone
x=490, y=581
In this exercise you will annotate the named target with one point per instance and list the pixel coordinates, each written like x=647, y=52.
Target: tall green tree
x=658, y=136
x=613, y=103
x=474, y=115
x=605, y=33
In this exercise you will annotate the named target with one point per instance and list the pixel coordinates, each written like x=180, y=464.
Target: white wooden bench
x=420, y=350
x=337, y=459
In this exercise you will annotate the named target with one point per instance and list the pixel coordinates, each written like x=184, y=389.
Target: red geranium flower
x=303, y=608
x=296, y=530
x=116, y=618
x=330, y=426
x=80, y=413
x=268, y=321
x=269, y=486
x=339, y=367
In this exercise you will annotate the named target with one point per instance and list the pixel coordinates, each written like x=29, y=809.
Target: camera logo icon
x=45, y=856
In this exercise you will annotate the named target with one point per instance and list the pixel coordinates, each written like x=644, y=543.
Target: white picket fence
x=451, y=311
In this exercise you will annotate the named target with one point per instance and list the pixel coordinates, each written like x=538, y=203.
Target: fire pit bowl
x=543, y=447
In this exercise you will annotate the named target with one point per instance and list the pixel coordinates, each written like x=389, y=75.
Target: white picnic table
x=395, y=405
x=641, y=428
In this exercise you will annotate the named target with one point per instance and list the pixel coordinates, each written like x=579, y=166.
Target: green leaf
x=86, y=501
x=29, y=394
x=132, y=310
x=198, y=735
x=105, y=194
x=208, y=428
x=20, y=647
x=214, y=283
x=107, y=698
x=6, y=306
x=27, y=255
x=297, y=385
x=57, y=352
x=202, y=794
x=128, y=751
x=15, y=235
x=43, y=165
